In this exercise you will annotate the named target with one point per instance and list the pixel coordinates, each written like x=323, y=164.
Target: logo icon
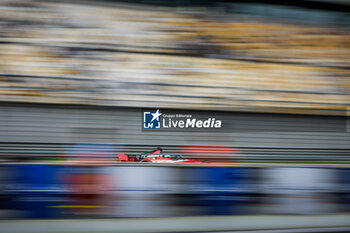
x=152, y=120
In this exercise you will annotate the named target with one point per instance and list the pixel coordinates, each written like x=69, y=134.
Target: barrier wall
x=300, y=190
x=143, y=191
x=220, y=190
x=35, y=191
x=39, y=128
x=133, y=190
x=344, y=189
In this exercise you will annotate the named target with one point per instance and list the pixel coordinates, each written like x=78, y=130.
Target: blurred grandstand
x=58, y=53
x=231, y=57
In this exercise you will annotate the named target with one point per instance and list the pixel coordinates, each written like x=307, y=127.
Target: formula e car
x=156, y=156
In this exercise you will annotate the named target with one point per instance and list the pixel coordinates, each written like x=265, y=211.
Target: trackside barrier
x=221, y=190
x=299, y=190
x=88, y=190
x=36, y=190
x=159, y=190
x=64, y=150
x=344, y=189
x=144, y=191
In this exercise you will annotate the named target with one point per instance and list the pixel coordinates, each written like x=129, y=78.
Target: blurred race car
x=156, y=156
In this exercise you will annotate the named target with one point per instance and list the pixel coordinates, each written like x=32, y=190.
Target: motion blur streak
x=231, y=56
x=77, y=76
x=60, y=191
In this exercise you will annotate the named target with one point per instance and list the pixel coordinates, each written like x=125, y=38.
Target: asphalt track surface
x=222, y=224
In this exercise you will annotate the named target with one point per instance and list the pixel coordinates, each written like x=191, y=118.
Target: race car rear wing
x=127, y=158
